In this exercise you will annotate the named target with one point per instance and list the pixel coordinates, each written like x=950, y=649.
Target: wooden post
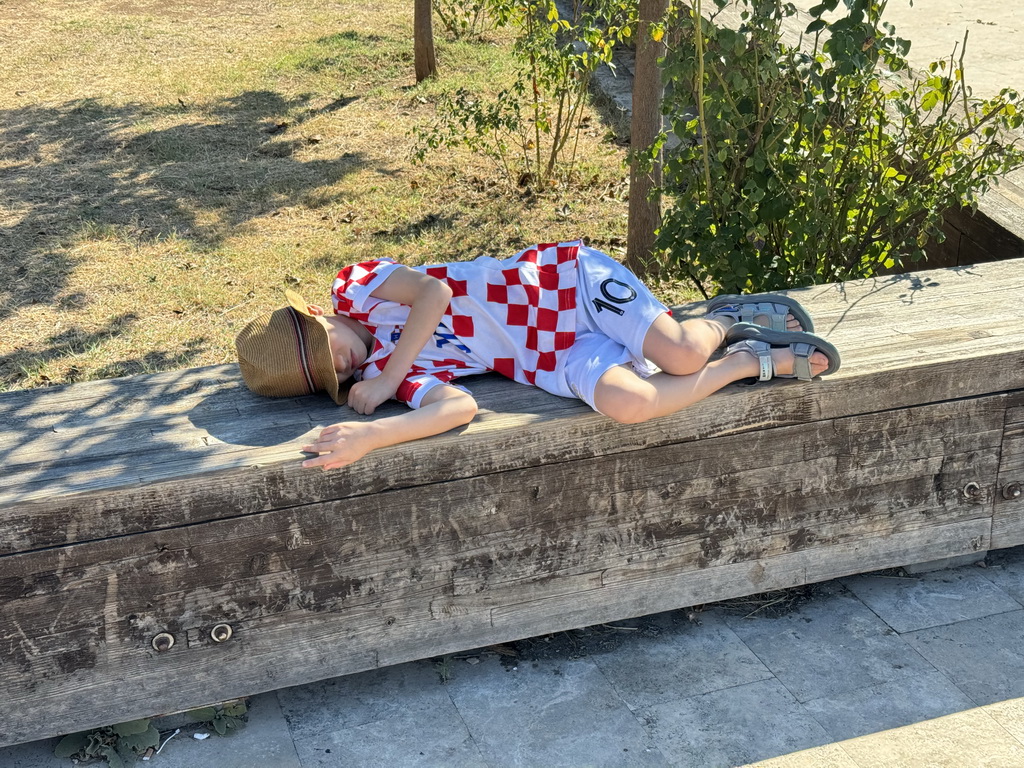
x=423, y=31
x=645, y=210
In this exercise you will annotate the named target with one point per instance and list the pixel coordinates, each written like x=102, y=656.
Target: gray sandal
x=758, y=341
x=743, y=309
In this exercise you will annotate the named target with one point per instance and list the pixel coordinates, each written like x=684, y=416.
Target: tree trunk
x=645, y=210
x=426, y=65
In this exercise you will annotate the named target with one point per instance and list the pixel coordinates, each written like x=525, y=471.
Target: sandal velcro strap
x=802, y=363
x=764, y=359
x=772, y=308
x=776, y=314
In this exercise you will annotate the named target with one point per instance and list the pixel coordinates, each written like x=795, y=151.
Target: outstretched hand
x=339, y=445
x=365, y=396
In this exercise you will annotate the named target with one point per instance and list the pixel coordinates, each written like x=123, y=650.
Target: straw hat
x=285, y=353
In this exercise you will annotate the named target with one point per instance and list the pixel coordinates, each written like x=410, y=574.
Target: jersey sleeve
x=354, y=284
x=416, y=385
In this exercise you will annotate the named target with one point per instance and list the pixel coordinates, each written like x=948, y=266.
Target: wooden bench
x=164, y=506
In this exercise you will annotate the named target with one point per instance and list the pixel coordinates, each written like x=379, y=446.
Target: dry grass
x=167, y=168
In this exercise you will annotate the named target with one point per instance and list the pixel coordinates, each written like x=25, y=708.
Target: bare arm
x=427, y=298
x=443, y=408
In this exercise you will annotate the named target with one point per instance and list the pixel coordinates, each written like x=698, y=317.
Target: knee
x=681, y=349
x=684, y=358
x=632, y=407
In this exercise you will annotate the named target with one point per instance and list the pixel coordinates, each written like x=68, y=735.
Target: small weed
x=223, y=717
x=444, y=668
x=118, y=744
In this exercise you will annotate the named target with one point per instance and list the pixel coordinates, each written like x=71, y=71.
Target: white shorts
x=614, y=312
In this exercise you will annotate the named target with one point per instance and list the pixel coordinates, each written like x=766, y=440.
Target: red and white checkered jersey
x=516, y=316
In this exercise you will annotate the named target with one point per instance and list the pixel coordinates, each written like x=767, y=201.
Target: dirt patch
x=21, y=10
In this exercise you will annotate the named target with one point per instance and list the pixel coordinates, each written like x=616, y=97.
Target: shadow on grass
x=84, y=170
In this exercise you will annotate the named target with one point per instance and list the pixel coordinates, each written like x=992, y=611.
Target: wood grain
x=1008, y=522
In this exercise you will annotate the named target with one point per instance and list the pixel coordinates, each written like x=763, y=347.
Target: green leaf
x=113, y=759
x=203, y=714
x=140, y=742
x=131, y=727
x=71, y=745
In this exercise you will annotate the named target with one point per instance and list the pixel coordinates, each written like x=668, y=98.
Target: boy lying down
x=562, y=317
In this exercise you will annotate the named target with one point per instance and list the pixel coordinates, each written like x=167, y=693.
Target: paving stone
x=931, y=599
x=983, y=657
x=825, y=756
x=400, y=715
x=362, y=698
x=549, y=713
x=265, y=740
x=684, y=659
x=829, y=646
x=1006, y=571
x=408, y=737
x=35, y=754
x=733, y=726
x=969, y=738
x=1010, y=715
x=888, y=705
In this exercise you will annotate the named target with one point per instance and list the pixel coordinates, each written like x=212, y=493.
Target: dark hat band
x=302, y=347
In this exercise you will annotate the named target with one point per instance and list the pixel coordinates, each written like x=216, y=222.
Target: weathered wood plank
x=1008, y=520
x=974, y=347
x=339, y=586
x=254, y=479
x=670, y=590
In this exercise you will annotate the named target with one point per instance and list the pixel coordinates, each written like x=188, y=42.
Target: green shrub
x=530, y=126
x=461, y=19
x=825, y=161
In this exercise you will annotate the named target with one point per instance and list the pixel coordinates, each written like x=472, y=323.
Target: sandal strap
x=763, y=351
x=746, y=312
x=759, y=349
x=802, y=362
x=776, y=314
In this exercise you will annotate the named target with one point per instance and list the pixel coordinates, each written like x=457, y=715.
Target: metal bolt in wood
x=221, y=633
x=163, y=642
x=972, y=491
x=1011, y=491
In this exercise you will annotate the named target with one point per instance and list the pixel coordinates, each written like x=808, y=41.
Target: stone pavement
x=876, y=670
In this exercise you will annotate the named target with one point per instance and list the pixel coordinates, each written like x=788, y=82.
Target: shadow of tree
x=84, y=169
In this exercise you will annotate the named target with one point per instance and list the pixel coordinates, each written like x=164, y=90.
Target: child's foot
x=784, y=362
x=785, y=355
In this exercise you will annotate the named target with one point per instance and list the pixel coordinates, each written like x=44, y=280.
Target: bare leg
x=627, y=398
x=685, y=348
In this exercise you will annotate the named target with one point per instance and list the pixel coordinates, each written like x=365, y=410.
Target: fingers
x=363, y=404
x=337, y=445
x=326, y=461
